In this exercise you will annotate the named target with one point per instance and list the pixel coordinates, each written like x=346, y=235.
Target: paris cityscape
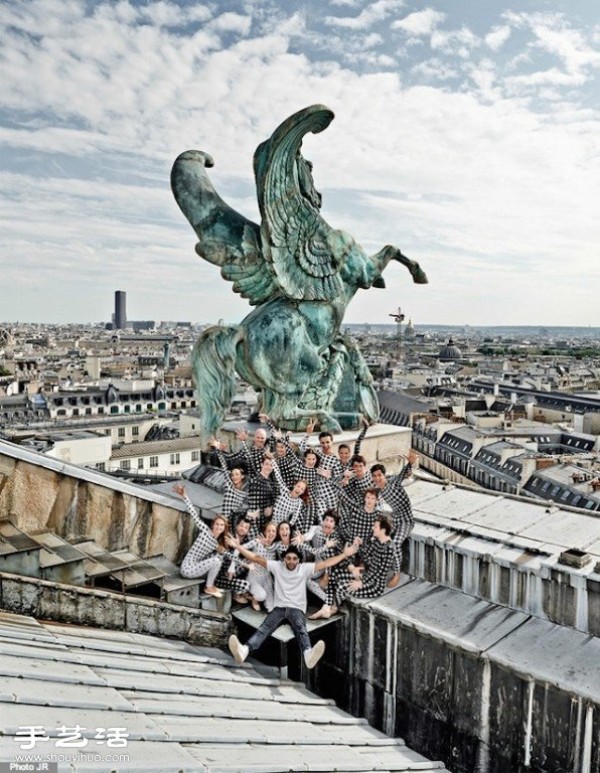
x=502, y=390
x=299, y=386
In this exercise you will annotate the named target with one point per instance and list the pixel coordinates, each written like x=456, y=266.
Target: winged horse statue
x=299, y=273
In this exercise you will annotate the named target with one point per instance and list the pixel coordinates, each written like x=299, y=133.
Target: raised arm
x=247, y=553
x=348, y=551
x=283, y=489
x=303, y=445
x=219, y=449
x=361, y=437
x=178, y=488
x=411, y=461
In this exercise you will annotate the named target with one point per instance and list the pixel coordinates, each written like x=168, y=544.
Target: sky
x=465, y=133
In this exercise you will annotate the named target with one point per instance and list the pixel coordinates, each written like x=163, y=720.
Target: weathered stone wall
x=76, y=503
x=485, y=689
x=95, y=607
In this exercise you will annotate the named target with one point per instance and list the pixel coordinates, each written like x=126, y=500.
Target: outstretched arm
x=411, y=461
x=178, y=488
x=361, y=435
x=348, y=551
x=247, y=553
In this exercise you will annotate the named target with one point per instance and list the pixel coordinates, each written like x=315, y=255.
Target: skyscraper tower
x=120, y=310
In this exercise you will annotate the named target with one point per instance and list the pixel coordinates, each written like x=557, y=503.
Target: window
x=127, y=409
x=195, y=456
x=125, y=464
x=175, y=458
x=114, y=409
x=140, y=463
x=101, y=409
x=121, y=432
x=135, y=431
x=154, y=461
x=101, y=466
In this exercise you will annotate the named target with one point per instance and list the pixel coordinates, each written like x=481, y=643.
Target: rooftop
x=179, y=707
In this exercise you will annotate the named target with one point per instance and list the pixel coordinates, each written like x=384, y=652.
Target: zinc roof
x=184, y=708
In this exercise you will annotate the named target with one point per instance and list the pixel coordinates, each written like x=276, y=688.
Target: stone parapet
x=516, y=570
x=103, y=609
x=38, y=493
x=480, y=686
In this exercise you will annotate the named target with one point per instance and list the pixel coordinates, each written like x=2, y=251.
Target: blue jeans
x=295, y=617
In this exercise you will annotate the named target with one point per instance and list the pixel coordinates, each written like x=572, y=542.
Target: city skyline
x=467, y=136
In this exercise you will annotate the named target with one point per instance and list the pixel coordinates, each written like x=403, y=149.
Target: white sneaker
x=239, y=651
x=314, y=654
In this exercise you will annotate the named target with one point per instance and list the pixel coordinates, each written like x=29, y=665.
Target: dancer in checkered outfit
x=345, y=454
x=319, y=543
x=233, y=571
x=259, y=580
x=358, y=515
x=261, y=497
x=206, y=554
x=367, y=581
x=393, y=494
x=235, y=499
x=284, y=454
x=250, y=456
x=289, y=504
x=283, y=540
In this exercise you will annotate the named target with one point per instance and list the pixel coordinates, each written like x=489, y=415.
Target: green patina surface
x=299, y=273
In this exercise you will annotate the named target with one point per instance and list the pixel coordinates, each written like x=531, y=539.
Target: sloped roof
x=184, y=708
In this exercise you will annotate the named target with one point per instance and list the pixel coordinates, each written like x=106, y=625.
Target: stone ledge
x=94, y=607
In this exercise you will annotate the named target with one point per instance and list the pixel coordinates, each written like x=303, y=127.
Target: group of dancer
x=300, y=517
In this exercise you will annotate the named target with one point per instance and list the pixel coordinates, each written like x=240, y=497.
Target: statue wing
x=296, y=240
x=226, y=238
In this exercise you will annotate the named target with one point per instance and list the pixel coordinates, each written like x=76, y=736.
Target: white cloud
x=459, y=42
x=470, y=182
x=553, y=76
x=373, y=13
x=553, y=34
x=497, y=37
x=232, y=22
x=164, y=14
x=420, y=22
x=435, y=69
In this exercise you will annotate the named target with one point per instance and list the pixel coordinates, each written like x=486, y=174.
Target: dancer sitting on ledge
x=290, y=578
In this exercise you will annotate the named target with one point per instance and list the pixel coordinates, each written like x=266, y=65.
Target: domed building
x=450, y=352
x=410, y=331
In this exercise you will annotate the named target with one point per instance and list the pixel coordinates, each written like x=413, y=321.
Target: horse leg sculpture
x=213, y=362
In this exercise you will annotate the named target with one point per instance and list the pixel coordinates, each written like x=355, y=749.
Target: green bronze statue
x=300, y=274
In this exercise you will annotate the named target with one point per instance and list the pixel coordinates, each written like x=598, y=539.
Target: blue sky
x=466, y=133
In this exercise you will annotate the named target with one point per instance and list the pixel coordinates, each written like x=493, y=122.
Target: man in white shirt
x=290, y=577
